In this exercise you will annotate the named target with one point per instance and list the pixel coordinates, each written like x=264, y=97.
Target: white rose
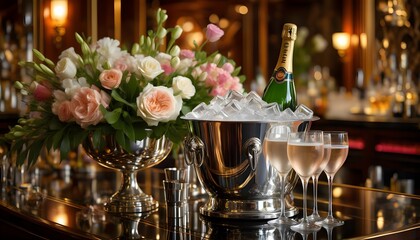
x=183, y=86
x=70, y=53
x=72, y=85
x=196, y=72
x=184, y=64
x=158, y=104
x=150, y=68
x=65, y=68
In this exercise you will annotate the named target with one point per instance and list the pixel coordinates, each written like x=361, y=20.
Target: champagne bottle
x=281, y=87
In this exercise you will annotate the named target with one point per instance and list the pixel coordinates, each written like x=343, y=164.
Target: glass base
x=306, y=227
x=332, y=222
x=315, y=218
x=282, y=221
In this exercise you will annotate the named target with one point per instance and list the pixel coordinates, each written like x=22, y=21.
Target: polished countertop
x=67, y=203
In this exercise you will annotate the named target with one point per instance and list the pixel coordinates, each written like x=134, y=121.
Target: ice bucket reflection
x=227, y=157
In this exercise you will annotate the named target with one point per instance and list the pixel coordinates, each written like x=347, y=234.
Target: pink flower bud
x=186, y=53
x=213, y=33
x=42, y=93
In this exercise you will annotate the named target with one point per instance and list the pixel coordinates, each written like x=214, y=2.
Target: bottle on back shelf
x=281, y=87
x=411, y=97
x=398, y=99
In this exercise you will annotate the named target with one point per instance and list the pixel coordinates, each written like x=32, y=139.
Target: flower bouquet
x=106, y=90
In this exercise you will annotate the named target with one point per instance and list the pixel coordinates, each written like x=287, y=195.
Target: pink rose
x=167, y=69
x=64, y=111
x=228, y=67
x=186, y=53
x=213, y=33
x=111, y=78
x=236, y=85
x=85, y=106
x=158, y=104
x=42, y=93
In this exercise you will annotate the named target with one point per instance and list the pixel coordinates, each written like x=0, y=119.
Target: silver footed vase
x=143, y=154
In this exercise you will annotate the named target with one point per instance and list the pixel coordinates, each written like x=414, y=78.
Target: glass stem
x=315, y=183
x=330, y=182
x=282, y=200
x=305, y=188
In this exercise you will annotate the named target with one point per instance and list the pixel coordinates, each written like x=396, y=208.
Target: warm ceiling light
x=241, y=9
x=363, y=40
x=58, y=17
x=224, y=23
x=59, y=11
x=214, y=18
x=187, y=26
x=341, y=42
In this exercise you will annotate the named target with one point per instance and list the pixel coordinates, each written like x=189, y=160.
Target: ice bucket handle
x=253, y=148
x=194, y=153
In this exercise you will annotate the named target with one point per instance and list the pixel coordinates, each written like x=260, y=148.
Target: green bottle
x=281, y=87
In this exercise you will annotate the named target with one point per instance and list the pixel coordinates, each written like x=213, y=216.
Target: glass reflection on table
x=76, y=204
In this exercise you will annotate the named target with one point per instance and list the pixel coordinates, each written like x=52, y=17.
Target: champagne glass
x=305, y=151
x=339, y=151
x=275, y=151
x=315, y=217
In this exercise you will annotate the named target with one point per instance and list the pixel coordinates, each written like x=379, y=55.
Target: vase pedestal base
x=142, y=204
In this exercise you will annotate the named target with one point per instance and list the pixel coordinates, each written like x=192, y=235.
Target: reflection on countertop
x=68, y=202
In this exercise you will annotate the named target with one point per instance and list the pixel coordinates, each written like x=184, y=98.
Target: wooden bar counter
x=66, y=204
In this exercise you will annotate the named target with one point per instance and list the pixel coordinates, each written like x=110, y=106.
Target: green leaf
x=140, y=131
x=236, y=71
x=34, y=151
x=65, y=147
x=97, y=139
x=111, y=117
x=176, y=132
x=55, y=124
x=119, y=125
x=48, y=142
x=77, y=138
x=117, y=97
x=21, y=157
x=57, y=138
x=129, y=130
x=122, y=141
x=159, y=131
x=132, y=87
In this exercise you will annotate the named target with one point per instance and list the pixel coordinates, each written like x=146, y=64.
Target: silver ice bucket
x=228, y=160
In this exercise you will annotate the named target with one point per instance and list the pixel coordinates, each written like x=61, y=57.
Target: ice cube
x=232, y=108
x=245, y=114
x=218, y=101
x=192, y=115
x=254, y=104
x=209, y=114
x=220, y=116
x=200, y=108
x=303, y=112
x=288, y=114
x=271, y=110
x=234, y=95
x=253, y=95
